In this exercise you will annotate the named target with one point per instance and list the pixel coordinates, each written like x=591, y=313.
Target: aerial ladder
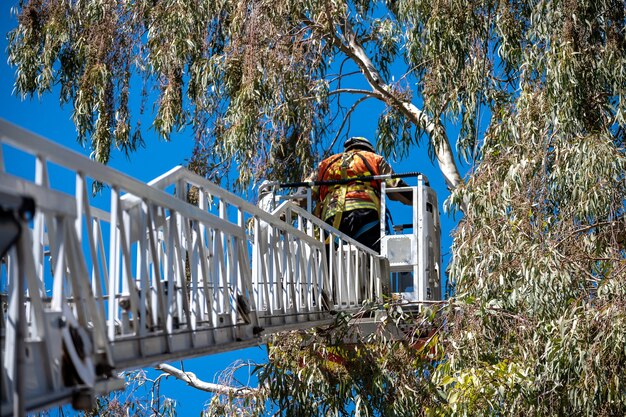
x=136, y=274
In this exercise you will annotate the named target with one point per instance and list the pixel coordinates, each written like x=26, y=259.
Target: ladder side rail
x=180, y=316
x=287, y=264
x=174, y=249
x=175, y=177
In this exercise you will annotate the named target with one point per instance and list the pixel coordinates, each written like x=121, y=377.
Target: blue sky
x=45, y=117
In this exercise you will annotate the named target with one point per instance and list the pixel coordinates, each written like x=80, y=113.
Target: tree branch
x=356, y=91
x=343, y=122
x=433, y=128
x=191, y=379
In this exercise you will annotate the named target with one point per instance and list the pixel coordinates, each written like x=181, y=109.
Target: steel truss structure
x=142, y=273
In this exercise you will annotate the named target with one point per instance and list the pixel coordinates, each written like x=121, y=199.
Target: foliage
x=141, y=398
x=537, y=88
x=255, y=79
x=542, y=239
x=354, y=367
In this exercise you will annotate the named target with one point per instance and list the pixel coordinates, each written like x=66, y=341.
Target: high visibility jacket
x=354, y=195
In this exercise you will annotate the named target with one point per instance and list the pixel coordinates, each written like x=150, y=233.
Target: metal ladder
x=144, y=273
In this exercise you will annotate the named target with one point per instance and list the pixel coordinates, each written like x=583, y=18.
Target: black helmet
x=358, y=142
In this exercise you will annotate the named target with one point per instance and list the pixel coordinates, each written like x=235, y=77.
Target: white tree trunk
x=440, y=141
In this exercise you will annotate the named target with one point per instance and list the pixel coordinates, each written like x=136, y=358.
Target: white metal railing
x=414, y=250
x=137, y=275
x=411, y=251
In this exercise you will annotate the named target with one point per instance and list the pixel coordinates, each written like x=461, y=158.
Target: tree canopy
x=261, y=83
x=537, y=321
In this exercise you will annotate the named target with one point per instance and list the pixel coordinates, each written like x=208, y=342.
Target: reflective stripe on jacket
x=358, y=194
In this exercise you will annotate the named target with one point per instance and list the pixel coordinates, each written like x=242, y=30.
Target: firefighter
x=354, y=208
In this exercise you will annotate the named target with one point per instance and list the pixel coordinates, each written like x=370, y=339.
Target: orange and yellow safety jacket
x=354, y=195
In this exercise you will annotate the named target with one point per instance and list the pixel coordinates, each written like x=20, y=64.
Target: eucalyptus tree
x=260, y=82
x=537, y=322
x=539, y=259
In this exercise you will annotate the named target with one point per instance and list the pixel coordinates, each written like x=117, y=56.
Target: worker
x=354, y=208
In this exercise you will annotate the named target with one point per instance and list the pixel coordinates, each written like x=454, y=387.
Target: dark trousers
x=363, y=225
